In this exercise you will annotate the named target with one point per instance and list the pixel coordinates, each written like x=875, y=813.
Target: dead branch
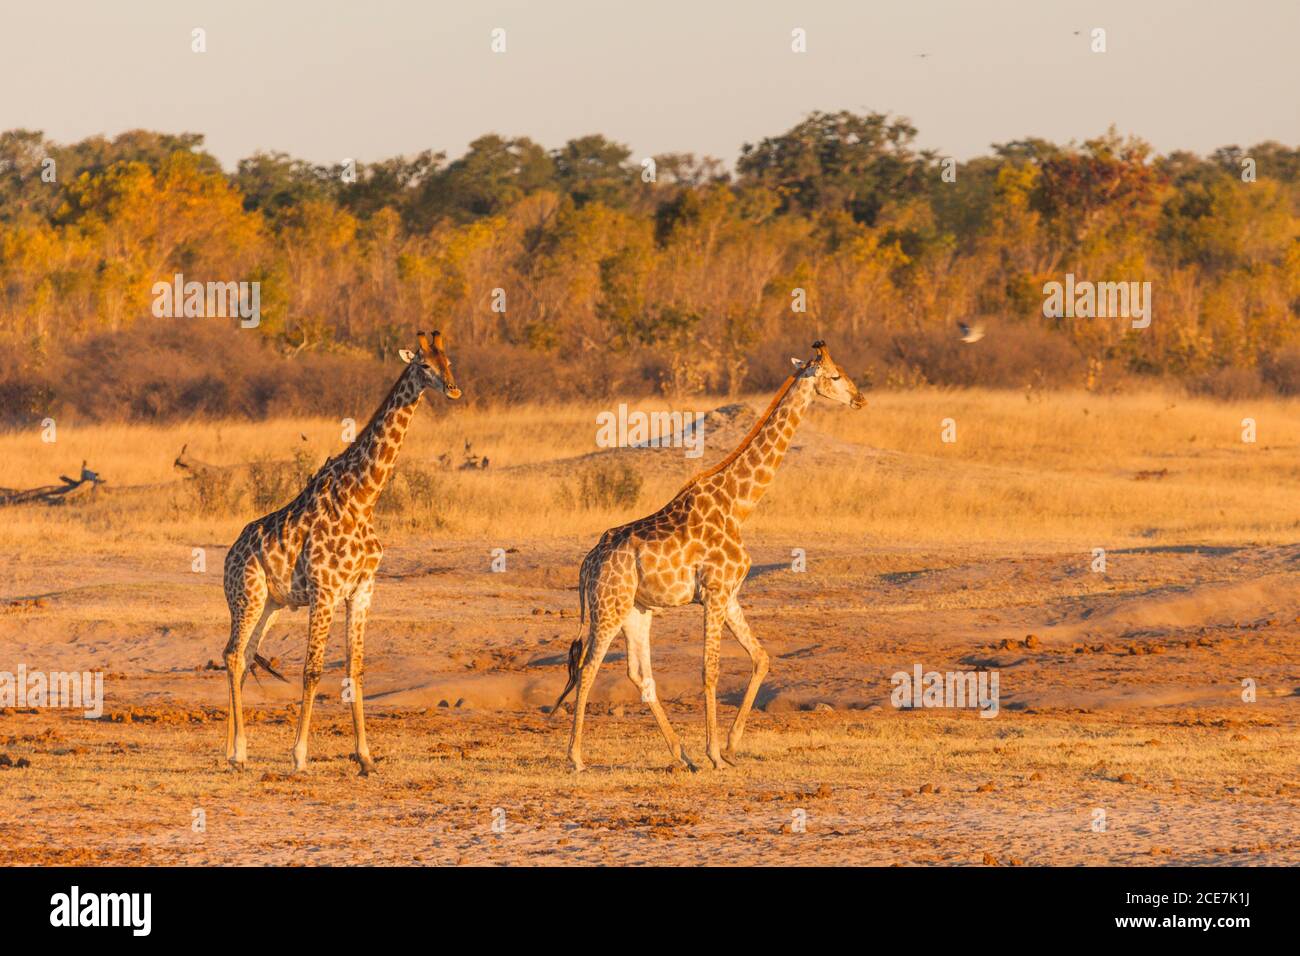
x=54, y=494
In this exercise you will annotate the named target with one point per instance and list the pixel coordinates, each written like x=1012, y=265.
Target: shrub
x=273, y=484
x=216, y=492
x=608, y=485
x=1228, y=384
x=415, y=497
x=1282, y=371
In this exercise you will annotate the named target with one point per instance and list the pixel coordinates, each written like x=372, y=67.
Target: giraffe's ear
x=800, y=364
x=406, y=355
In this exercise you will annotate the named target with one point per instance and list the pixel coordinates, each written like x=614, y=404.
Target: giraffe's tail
x=259, y=661
x=575, y=667
x=263, y=663
x=256, y=660
x=575, y=649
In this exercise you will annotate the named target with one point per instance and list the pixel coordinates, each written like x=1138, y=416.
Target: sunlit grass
x=1059, y=469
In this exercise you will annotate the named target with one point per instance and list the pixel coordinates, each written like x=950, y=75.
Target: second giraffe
x=690, y=552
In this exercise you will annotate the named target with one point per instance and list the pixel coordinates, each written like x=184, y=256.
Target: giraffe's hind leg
x=637, y=630
x=604, y=627
x=759, y=662
x=250, y=612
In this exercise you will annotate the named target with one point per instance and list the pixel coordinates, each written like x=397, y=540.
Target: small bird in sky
x=971, y=332
x=923, y=55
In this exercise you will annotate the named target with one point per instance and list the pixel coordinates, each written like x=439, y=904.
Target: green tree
x=839, y=161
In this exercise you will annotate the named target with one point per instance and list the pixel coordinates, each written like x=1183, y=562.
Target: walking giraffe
x=690, y=552
x=321, y=548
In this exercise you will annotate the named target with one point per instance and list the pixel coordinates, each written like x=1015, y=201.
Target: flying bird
x=971, y=332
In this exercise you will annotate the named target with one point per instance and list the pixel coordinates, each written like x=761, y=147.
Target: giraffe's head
x=829, y=381
x=431, y=365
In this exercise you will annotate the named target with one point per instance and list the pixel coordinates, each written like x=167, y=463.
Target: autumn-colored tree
x=670, y=274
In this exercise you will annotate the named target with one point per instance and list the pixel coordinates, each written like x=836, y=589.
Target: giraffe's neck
x=755, y=462
x=368, y=463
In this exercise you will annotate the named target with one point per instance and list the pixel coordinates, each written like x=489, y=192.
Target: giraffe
x=321, y=548
x=690, y=552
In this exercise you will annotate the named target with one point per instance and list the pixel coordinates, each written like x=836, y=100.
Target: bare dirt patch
x=1160, y=741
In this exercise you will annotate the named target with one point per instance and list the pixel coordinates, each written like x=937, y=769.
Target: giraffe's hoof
x=730, y=757
x=577, y=766
x=720, y=762
x=682, y=766
x=367, y=767
x=234, y=764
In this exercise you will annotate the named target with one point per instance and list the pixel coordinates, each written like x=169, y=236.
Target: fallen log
x=54, y=494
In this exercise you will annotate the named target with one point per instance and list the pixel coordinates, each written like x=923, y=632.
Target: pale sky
x=326, y=80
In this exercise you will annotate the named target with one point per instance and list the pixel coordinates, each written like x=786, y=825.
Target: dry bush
x=603, y=486
x=273, y=484
x=216, y=492
x=1282, y=371
x=26, y=394
x=1228, y=384
x=416, y=497
x=1012, y=355
x=195, y=370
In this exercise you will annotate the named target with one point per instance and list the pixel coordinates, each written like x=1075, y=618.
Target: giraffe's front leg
x=604, y=627
x=318, y=630
x=357, y=608
x=714, y=615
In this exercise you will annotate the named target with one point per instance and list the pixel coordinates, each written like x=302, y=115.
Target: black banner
x=333, y=904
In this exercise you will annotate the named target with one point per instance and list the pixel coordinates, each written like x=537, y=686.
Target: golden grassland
x=1056, y=468
x=948, y=790
x=1127, y=698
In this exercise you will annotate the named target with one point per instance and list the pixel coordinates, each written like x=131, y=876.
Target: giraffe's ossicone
x=690, y=551
x=320, y=549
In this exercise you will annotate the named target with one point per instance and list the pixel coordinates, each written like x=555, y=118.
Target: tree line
x=597, y=270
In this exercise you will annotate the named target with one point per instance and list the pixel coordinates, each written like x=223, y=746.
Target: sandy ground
x=1122, y=735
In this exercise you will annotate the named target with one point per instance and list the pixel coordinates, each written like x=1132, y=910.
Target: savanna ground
x=1121, y=692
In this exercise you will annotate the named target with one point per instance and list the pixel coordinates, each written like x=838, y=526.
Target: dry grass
x=918, y=551
x=1057, y=469
x=871, y=788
